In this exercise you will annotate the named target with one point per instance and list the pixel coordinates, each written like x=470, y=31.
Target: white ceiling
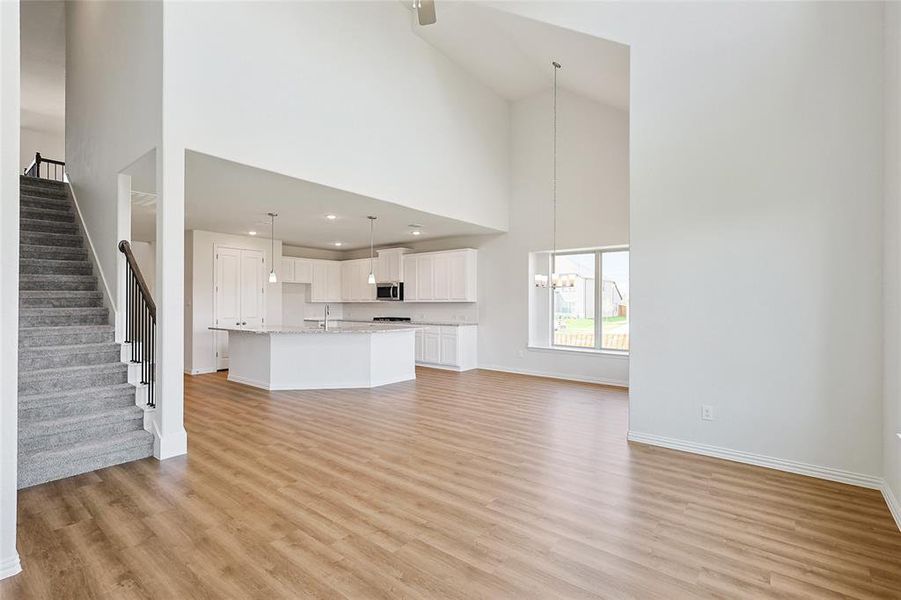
x=512, y=55
x=233, y=198
x=43, y=43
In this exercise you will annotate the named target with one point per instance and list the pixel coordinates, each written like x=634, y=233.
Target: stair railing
x=140, y=321
x=34, y=169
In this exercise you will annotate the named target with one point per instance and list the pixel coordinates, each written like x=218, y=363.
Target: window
x=590, y=307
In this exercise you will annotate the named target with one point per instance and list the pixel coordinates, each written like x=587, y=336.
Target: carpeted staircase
x=77, y=410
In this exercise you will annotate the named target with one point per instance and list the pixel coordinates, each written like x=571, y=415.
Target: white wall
x=113, y=107
x=593, y=211
x=145, y=256
x=50, y=145
x=756, y=164
x=340, y=93
x=200, y=353
x=892, y=265
x=9, y=281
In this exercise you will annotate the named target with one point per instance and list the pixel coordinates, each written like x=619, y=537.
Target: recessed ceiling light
x=416, y=232
x=251, y=233
x=338, y=243
x=331, y=217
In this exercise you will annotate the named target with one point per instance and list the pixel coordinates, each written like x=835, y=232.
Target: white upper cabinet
x=326, y=281
x=389, y=267
x=449, y=276
x=296, y=270
x=303, y=270
x=287, y=274
x=355, y=286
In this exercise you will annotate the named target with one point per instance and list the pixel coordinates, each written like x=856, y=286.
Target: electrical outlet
x=707, y=412
x=521, y=353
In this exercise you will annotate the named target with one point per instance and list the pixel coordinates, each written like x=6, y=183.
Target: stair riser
x=73, y=359
x=61, y=320
x=38, y=238
x=62, y=267
x=72, y=407
x=43, y=191
x=44, y=386
x=65, y=339
x=88, y=432
x=33, y=473
x=46, y=215
x=58, y=285
x=53, y=253
x=62, y=302
x=48, y=226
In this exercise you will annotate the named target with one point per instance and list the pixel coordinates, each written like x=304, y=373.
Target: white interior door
x=228, y=299
x=252, y=266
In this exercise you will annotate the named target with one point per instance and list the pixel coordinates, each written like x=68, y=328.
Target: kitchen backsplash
x=464, y=312
x=296, y=307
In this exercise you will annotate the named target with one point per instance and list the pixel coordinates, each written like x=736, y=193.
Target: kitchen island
x=315, y=357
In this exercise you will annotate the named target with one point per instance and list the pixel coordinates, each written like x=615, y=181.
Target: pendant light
x=272, y=277
x=555, y=280
x=371, y=279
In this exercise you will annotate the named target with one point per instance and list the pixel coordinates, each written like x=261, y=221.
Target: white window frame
x=598, y=300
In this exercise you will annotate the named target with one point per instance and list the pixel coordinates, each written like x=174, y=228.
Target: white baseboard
x=893, y=505
x=199, y=371
x=598, y=380
x=780, y=464
x=10, y=566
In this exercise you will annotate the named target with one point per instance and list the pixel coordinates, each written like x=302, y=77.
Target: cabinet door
x=382, y=269
x=410, y=280
x=319, y=282
x=303, y=270
x=252, y=306
x=334, y=281
x=348, y=270
x=449, y=347
x=456, y=276
x=228, y=299
x=441, y=274
x=425, y=278
x=419, y=353
x=287, y=274
x=431, y=347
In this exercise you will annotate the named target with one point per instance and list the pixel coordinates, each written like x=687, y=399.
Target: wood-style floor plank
x=456, y=485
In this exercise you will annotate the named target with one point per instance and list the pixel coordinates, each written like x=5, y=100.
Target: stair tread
x=29, y=428
x=63, y=329
x=105, y=390
x=63, y=372
x=65, y=348
x=62, y=310
x=110, y=443
x=60, y=293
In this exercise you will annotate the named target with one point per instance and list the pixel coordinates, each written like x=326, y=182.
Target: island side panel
x=393, y=357
x=305, y=361
x=249, y=359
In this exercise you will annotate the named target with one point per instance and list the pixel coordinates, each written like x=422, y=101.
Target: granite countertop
x=400, y=323
x=332, y=328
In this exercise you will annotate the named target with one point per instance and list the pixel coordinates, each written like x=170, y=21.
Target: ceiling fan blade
x=425, y=9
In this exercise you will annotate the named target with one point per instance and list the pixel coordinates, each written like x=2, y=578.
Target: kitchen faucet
x=325, y=322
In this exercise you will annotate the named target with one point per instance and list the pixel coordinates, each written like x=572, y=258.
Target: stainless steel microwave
x=390, y=292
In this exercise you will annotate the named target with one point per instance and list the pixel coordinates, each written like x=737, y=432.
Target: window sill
x=555, y=349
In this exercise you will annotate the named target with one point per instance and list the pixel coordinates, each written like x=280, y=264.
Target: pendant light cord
x=554, y=255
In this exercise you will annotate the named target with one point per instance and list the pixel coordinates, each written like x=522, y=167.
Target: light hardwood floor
x=473, y=485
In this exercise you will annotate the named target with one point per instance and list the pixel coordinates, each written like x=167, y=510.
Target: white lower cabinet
x=448, y=346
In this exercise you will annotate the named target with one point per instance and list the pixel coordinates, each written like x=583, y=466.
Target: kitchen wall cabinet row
x=447, y=276
x=447, y=347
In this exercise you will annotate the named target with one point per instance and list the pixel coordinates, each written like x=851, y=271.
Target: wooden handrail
x=125, y=248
